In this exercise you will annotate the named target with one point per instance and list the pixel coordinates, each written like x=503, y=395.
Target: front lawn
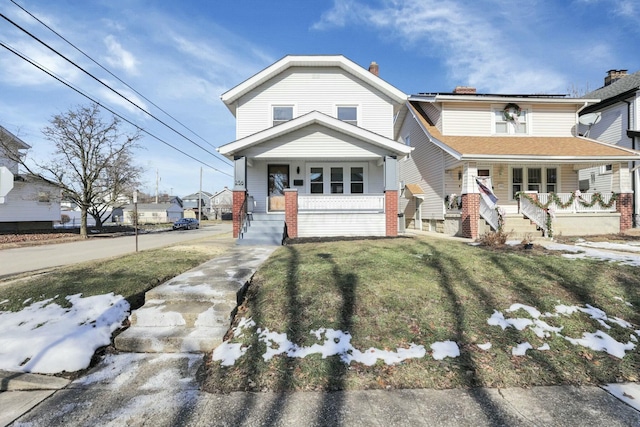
x=409, y=302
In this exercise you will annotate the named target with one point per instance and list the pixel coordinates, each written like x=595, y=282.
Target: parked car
x=186, y=224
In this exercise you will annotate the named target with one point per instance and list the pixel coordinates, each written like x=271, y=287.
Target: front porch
x=546, y=215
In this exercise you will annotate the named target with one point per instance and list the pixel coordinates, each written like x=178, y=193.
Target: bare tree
x=91, y=162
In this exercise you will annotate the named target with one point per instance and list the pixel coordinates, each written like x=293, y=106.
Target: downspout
x=586, y=104
x=634, y=168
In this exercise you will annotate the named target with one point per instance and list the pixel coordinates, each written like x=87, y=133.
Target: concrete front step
x=184, y=313
x=168, y=339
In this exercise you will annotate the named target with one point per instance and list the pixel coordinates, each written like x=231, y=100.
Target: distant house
x=190, y=202
x=27, y=202
x=153, y=213
x=221, y=203
x=522, y=148
x=614, y=120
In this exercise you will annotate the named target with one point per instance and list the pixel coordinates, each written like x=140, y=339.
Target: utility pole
x=135, y=215
x=157, y=185
x=200, y=198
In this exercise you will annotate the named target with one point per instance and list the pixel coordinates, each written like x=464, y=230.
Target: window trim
x=497, y=109
x=282, y=104
x=525, y=178
x=348, y=105
x=346, y=177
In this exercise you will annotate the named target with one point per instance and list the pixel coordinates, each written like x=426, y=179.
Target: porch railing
x=534, y=213
x=489, y=214
x=326, y=202
x=576, y=206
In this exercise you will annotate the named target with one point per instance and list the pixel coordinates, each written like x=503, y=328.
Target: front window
x=357, y=180
x=348, y=114
x=337, y=183
x=282, y=114
x=317, y=181
x=538, y=179
x=517, y=126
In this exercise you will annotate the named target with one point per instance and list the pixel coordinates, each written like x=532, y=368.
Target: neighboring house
x=153, y=213
x=513, y=144
x=27, y=202
x=190, y=202
x=221, y=203
x=614, y=120
x=315, y=145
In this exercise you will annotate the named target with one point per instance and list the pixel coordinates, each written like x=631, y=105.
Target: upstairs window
x=282, y=113
x=348, y=114
x=504, y=125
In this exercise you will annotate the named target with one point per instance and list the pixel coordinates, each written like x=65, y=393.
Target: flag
x=484, y=186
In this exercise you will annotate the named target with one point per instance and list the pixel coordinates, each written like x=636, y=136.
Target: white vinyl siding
x=336, y=224
x=22, y=203
x=312, y=89
x=552, y=120
x=466, y=119
x=425, y=167
x=315, y=142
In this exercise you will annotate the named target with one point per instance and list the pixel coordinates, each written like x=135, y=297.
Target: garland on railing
x=501, y=214
x=550, y=207
x=555, y=200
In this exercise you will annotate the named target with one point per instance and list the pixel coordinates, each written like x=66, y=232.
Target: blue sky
x=182, y=55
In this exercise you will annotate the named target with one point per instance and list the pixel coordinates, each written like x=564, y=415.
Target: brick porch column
x=391, y=212
x=291, y=211
x=470, y=215
x=238, y=201
x=624, y=205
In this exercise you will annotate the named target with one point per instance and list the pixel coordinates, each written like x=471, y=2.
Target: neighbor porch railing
x=576, y=206
x=534, y=213
x=343, y=202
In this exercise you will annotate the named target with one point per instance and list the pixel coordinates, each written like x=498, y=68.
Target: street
x=33, y=258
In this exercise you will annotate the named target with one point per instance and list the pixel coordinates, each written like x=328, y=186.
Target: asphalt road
x=41, y=257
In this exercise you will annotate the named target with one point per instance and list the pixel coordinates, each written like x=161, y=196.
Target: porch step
x=264, y=229
x=519, y=227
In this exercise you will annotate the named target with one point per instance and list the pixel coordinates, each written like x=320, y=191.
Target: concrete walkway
x=136, y=389
x=163, y=389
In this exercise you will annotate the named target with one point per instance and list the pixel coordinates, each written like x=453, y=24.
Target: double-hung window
x=282, y=114
x=348, y=114
x=337, y=178
x=539, y=179
x=517, y=126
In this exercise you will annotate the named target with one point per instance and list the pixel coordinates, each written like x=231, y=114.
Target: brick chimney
x=373, y=68
x=465, y=90
x=613, y=76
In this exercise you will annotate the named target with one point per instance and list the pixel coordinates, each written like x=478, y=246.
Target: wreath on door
x=511, y=112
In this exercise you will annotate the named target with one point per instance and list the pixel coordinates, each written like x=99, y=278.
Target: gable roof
x=314, y=117
x=521, y=148
x=20, y=143
x=627, y=83
x=289, y=61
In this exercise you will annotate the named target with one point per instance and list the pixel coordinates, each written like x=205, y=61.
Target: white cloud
x=120, y=57
x=479, y=46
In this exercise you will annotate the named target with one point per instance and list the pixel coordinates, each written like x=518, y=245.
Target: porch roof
x=314, y=117
x=519, y=148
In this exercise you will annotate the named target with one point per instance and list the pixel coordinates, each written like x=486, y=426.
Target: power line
x=110, y=88
x=70, y=86
x=110, y=73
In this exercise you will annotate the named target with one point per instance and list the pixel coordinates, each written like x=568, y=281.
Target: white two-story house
x=524, y=149
x=315, y=150
x=27, y=202
x=614, y=120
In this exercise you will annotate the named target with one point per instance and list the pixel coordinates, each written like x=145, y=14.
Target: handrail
x=244, y=218
x=535, y=214
x=490, y=215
